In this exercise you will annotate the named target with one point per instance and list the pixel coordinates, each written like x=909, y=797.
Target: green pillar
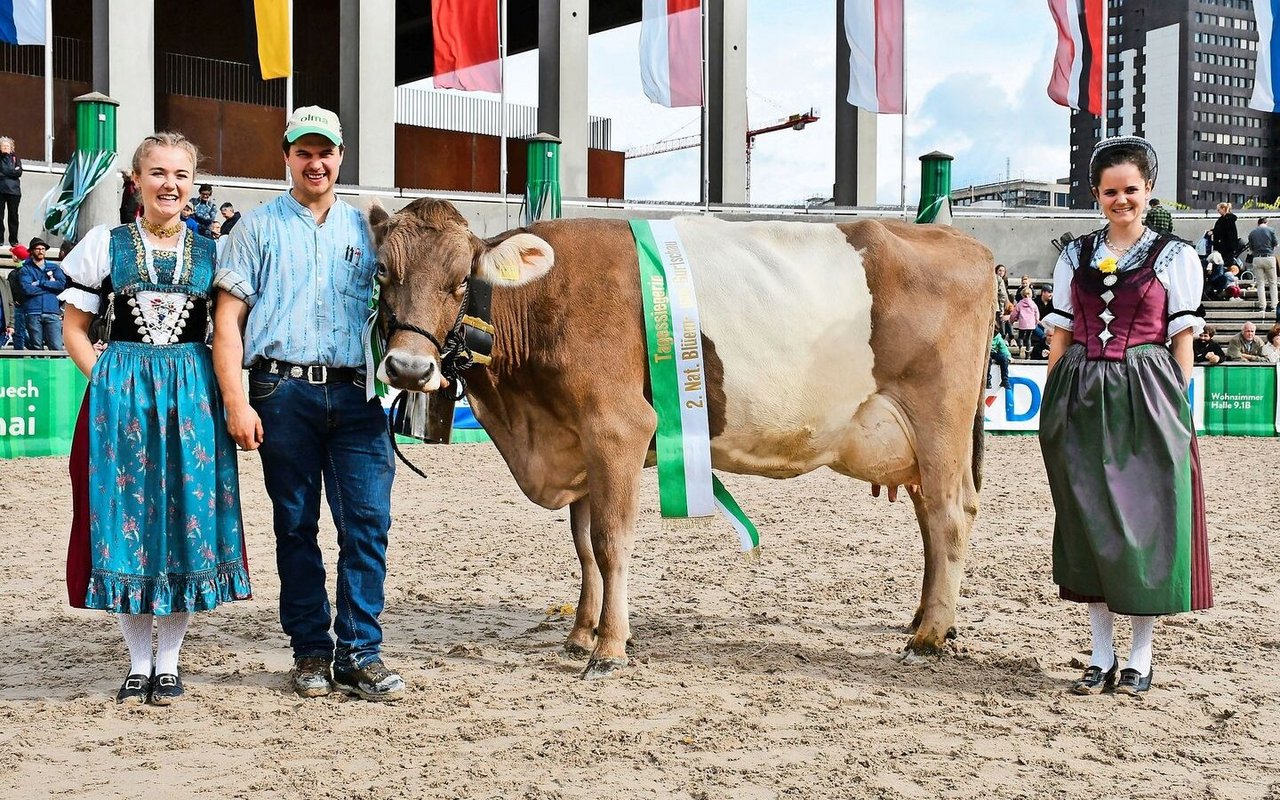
x=935, y=188
x=542, y=187
x=95, y=123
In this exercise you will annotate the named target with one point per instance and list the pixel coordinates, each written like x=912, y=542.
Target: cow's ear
x=513, y=261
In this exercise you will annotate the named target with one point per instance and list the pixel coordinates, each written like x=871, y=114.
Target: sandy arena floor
x=774, y=680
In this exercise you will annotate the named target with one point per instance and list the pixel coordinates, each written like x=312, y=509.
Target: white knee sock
x=1144, y=630
x=1102, y=621
x=170, y=630
x=137, y=637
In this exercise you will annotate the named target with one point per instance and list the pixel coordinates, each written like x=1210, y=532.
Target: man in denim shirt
x=294, y=286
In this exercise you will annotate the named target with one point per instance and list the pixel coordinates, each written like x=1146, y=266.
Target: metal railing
x=455, y=111
x=232, y=81
x=70, y=60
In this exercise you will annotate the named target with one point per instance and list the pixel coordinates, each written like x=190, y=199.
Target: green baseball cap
x=313, y=119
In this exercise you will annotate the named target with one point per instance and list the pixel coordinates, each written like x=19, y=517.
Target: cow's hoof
x=576, y=651
x=952, y=632
x=598, y=668
x=924, y=646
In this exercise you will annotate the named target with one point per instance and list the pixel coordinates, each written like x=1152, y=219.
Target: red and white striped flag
x=1077, y=66
x=671, y=52
x=874, y=31
x=465, y=36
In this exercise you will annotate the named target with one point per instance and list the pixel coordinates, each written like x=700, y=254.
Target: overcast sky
x=976, y=77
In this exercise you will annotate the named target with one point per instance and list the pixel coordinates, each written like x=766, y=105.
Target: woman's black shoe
x=135, y=689
x=1094, y=680
x=1133, y=684
x=165, y=689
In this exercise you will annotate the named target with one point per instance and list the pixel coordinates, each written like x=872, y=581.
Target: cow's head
x=426, y=255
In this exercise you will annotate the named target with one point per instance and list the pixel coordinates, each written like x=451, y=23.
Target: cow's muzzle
x=410, y=371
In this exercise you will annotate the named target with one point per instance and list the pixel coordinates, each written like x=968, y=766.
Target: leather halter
x=468, y=343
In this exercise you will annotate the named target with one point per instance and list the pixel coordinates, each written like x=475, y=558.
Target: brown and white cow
x=859, y=346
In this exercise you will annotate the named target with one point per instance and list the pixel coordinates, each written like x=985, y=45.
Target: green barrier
x=1240, y=401
x=39, y=401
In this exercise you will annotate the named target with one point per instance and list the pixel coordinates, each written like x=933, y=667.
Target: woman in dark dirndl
x=156, y=530
x=1116, y=429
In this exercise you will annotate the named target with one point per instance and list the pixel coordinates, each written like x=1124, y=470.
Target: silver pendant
x=1109, y=280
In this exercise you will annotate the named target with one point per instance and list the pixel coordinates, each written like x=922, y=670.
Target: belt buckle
x=317, y=374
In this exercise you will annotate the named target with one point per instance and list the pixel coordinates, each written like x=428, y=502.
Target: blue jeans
x=44, y=330
x=329, y=433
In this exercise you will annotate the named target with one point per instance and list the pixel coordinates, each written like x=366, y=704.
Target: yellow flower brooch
x=1107, y=267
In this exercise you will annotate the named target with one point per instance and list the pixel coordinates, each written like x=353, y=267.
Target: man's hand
x=245, y=426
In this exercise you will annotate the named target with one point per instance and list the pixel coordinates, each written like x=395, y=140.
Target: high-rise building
x=1180, y=73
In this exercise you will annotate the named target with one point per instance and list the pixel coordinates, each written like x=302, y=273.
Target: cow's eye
x=381, y=270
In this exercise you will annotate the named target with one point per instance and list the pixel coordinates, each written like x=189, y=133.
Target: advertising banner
x=39, y=400
x=1240, y=401
x=1225, y=400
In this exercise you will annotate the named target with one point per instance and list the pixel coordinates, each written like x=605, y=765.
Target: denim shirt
x=308, y=286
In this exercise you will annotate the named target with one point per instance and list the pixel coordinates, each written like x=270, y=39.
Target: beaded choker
x=161, y=231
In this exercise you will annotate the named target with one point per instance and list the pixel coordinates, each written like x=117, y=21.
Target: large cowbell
x=427, y=416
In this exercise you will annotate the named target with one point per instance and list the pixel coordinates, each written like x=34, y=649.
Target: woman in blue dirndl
x=157, y=533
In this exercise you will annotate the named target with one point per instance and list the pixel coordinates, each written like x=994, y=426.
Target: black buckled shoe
x=135, y=689
x=165, y=688
x=1133, y=684
x=1095, y=681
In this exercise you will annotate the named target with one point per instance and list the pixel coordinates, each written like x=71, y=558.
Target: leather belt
x=311, y=373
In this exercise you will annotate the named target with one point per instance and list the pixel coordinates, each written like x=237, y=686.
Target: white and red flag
x=1077, y=66
x=875, y=33
x=671, y=52
x=465, y=36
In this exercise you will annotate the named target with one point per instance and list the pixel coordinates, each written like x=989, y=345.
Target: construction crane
x=794, y=122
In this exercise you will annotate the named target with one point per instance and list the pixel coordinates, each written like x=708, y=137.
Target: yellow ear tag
x=509, y=271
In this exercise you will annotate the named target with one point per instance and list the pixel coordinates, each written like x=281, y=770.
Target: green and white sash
x=686, y=486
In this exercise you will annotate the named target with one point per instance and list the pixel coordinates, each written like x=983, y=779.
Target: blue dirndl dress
x=165, y=530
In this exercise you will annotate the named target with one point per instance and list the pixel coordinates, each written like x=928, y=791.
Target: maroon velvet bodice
x=1132, y=311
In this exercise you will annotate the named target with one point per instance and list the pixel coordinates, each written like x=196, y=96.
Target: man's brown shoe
x=311, y=677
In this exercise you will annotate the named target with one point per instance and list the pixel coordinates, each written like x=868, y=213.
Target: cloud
x=972, y=92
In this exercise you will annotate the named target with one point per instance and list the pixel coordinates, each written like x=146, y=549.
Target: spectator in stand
x=1226, y=237
x=18, y=323
x=42, y=282
x=1271, y=349
x=1204, y=246
x=1245, y=345
x=229, y=218
x=1003, y=303
x=1205, y=349
x=10, y=189
x=205, y=209
x=1040, y=345
x=1262, y=243
x=1044, y=302
x=1000, y=354
x=128, y=198
x=188, y=216
x=1220, y=283
x=1025, y=320
x=1158, y=218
